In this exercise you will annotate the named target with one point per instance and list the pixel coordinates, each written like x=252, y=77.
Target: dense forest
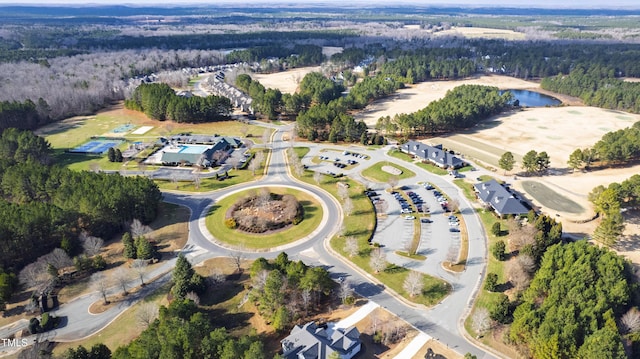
x=597, y=86
x=462, y=107
x=570, y=308
x=160, y=102
x=42, y=204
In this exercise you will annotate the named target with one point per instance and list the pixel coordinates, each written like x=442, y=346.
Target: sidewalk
x=412, y=348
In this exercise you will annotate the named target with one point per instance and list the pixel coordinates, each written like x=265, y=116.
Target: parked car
x=409, y=218
x=453, y=229
x=425, y=220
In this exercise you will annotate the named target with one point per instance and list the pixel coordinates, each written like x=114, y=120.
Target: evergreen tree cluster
x=570, y=307
x=423, y=65
x=298, y=56
x=597, y=86
x=40, y=205
x=462, y=107
x=609, y=202
x=25, y=115
x=620, y=146
x=277, y=283
x=160, y=102
x=185, y=279
x=184, y=331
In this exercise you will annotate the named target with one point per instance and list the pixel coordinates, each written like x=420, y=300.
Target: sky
x=516, y=3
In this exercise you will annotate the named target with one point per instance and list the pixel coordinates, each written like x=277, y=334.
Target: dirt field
x=416, y=97
x=481, y=32
x=287, y=81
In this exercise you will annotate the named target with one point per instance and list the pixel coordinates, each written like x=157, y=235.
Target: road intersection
x=442, y=322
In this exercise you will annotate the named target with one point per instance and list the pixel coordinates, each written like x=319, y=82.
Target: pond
x=533, y=99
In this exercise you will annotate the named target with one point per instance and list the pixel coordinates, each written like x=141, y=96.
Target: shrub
x=34, y=326
x=498, y=250
x=500, y=310
x=231, y=223
x=491, y=283
x=496, y=229
x=350, y=300
x=99, y=263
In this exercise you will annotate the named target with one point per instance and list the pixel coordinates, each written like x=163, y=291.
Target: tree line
x=597, y=86
x=23, y=115
x=298, y=56
x=160, y=102
x=42, y=205
x=609, y=202
x=461, y=107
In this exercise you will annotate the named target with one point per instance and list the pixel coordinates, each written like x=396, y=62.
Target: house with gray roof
x=503, y=201
x=433, y=154
x=312, y=342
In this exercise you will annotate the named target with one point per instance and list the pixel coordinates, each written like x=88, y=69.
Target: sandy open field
x=416, y=97
x=481, y=32
x=287, y=81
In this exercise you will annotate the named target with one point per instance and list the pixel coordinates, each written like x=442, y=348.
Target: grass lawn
x=301, y=151
x=418, y=257
x=216, y=216
x=212, y=184
x=375, y=172
x=467, y=189
x=74, y=131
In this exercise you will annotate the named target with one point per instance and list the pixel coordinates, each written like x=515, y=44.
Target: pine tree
x=129, y=247
x=144, y=248
x=111, y=154
x=182, y=273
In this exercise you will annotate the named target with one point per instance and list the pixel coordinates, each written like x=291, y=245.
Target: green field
x=375, y=172
x=215, y=222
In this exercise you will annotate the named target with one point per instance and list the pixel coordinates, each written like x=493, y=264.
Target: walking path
x=357, y=315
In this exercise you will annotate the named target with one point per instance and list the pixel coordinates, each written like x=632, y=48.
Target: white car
x=406, y=210
x=409, y=218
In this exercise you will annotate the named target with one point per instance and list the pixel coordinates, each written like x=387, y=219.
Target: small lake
x=533, y=99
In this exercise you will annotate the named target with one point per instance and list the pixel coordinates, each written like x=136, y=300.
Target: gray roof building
x=434, y=154
x=313, y=342
x=502, y=200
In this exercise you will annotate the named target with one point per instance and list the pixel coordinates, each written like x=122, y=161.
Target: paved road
x=441, y=322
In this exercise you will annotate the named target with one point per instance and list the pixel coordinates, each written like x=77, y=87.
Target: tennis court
x=123, y=128
x=96, y=146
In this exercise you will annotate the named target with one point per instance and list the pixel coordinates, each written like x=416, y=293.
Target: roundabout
x=218, y=214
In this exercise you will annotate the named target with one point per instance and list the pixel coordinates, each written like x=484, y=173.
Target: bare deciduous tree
x=91, y=245
x=121, y=278
x=266, y=134
x=518, y=276
x=345, y=290
x=34, y=275
x=146, y=314
x=520, y=236
x=193, y=297
x=631, y=321
x=378, y=260
x=413, y=284
x=347, y=206
x=256, y=162
x=527, y=263
x=138, y=229
x=454, y=205
x=216, y=277
x=94, y=167
x=317, y=177
x=343, y=190
x=351, y=246
x=393, y=181
x=197, y=179
x=481, y=321
x=236, y=260
x=100, y=283
x=139, y=266
x=305, y=297
x=260, y=280
x=58, y=258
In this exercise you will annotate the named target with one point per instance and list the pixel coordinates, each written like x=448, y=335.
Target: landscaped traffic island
x=264, y=218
